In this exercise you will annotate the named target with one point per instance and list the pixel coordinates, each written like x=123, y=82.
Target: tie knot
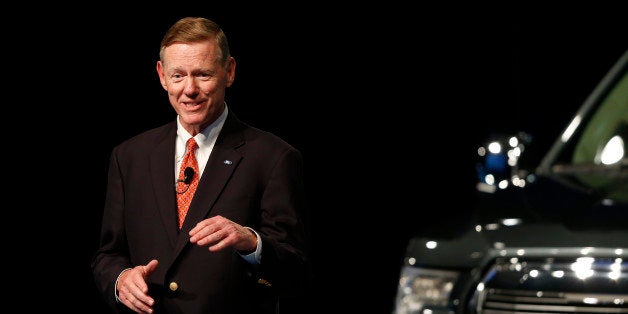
x=191, y=144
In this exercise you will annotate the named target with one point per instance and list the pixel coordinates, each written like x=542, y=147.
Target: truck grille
x=591, y=285
x=502, y=301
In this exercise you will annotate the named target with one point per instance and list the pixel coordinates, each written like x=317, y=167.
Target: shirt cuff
x=255, y=257
x=115, y=287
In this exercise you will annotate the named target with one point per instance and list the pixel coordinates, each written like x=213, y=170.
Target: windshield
x=599, y=158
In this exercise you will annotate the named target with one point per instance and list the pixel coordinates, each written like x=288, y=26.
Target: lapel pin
x=227, y=162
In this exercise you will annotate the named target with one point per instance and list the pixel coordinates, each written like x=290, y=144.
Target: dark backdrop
x=387, y=104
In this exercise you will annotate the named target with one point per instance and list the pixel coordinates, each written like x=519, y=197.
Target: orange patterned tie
x=188, y=180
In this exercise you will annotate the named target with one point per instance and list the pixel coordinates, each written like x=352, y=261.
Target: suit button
x=173, y=286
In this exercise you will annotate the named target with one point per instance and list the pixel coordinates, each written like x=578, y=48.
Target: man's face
x=195, y=80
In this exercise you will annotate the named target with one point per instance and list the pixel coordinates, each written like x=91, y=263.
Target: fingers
x=207, y=227
x=211, y=235
x=218, y=233
x=136, y=300
x=149, y=268
x=223, y=240
x=211, y=222
x=133, y=290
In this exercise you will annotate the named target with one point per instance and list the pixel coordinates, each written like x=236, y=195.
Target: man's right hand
x=133, y=290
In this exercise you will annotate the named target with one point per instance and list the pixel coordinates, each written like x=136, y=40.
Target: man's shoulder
x=265, y=138
x=150, y=137
x=236, y=130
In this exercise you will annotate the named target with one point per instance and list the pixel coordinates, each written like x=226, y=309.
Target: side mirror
x=498, y=164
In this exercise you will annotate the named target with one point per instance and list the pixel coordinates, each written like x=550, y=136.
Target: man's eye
x=176, y=77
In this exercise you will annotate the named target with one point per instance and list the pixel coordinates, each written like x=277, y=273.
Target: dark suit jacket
x=252, y=177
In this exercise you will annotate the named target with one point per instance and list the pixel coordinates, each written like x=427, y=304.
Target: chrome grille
x=591, y=285
x=502, y=301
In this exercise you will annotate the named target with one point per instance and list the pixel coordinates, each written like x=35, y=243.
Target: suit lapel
x=219, y=169
x=221, y=164
x=162, y=176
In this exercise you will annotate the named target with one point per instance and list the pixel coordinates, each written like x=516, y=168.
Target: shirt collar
x=207, y=136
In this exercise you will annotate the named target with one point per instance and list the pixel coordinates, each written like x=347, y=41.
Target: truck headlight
x=423, y=290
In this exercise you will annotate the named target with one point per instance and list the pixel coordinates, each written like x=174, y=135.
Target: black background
x=387, y=104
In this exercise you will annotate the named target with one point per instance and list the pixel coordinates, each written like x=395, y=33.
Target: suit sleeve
x=111, y=256
x=284, y=231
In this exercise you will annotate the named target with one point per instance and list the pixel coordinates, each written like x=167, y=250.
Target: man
x=213, y=227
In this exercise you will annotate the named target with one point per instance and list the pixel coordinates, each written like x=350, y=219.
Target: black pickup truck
x=550, y=237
